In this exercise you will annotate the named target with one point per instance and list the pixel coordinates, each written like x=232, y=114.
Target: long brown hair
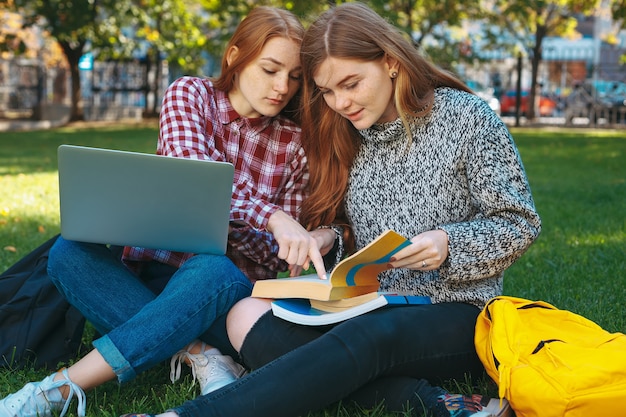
x=354, y=31
x=260, y=25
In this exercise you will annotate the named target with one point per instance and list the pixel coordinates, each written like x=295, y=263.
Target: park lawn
x=29, y=202
x=578, y=179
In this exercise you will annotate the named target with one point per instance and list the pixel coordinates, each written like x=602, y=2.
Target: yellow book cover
x=353, y=276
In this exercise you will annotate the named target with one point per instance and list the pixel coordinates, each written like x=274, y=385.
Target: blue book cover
x=300, y=311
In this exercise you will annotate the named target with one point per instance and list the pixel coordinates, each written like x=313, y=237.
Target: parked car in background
x=598, y=100
x=610, y=96
x=547, y=106
x=486, y=94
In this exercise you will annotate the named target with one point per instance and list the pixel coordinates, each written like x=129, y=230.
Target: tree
x=12, y=37
x=176, y=31
x=435, y=26
x=530, y=21
x=115, y=29
x=71, y=24
x=618, y=9
x=421, y=18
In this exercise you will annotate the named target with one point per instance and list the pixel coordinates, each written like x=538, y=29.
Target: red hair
x=354, y=31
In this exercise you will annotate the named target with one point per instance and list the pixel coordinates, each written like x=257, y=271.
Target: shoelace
x=177, y=361
x=75, y=390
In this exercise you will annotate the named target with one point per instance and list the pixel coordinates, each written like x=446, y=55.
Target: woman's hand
x=426, y=252
x=296, y=245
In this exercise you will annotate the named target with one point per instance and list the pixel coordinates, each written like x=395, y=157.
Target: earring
x=394, y=74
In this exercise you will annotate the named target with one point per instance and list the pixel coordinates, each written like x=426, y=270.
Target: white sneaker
x=40, y=399
x=210, y=368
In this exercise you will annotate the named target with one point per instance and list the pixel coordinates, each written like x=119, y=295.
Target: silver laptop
x=151, y=201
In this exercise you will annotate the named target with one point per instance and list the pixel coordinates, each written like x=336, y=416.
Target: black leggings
x=392, y=354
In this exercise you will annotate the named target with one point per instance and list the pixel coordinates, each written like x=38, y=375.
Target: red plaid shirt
x=197, y=121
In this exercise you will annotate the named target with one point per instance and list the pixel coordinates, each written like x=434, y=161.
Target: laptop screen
x=136, y=199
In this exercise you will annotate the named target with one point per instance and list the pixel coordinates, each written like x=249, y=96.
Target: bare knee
x=242, y=317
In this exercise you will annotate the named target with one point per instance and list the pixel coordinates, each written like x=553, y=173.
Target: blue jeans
x=139, y=327
x=393, y=354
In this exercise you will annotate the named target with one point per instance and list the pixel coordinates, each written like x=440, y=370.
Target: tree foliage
x=13, y=38
x=618, y=8
x=174, y=28
x=154, y=31
x=71, y=23
x=434, y=26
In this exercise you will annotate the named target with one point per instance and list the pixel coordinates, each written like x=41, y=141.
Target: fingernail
x=392, y=259
x=389, y=266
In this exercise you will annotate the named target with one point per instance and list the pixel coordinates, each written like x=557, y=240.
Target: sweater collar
x=384, y=132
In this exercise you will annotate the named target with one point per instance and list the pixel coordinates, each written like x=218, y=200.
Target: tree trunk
x=157, y=82
x=146, y=83
x=73, y=54
x=535, y=60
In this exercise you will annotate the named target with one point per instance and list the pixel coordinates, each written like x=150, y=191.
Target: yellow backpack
x=549, y=362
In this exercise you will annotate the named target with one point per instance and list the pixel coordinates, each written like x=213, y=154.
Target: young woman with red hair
x=241, y=117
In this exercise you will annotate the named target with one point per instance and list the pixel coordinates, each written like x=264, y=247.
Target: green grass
x=578, y=179
x=29, y=202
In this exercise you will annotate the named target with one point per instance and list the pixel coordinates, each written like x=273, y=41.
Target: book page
x=342, y=304
x=363, y=267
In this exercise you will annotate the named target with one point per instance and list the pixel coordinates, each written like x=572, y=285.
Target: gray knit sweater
x=462, y=174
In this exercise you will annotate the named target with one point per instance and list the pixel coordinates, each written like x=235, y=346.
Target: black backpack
x=38, y=327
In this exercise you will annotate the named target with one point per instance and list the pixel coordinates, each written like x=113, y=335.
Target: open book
x=354, y=275
x=312, y=313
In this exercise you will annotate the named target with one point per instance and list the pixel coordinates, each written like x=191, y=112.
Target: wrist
x=275, y=218
x=335, y=231
x=337, y=246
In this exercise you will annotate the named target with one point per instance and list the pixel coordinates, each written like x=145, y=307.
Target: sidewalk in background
x=10, y=125
x=52, y=115
x=15, y=125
